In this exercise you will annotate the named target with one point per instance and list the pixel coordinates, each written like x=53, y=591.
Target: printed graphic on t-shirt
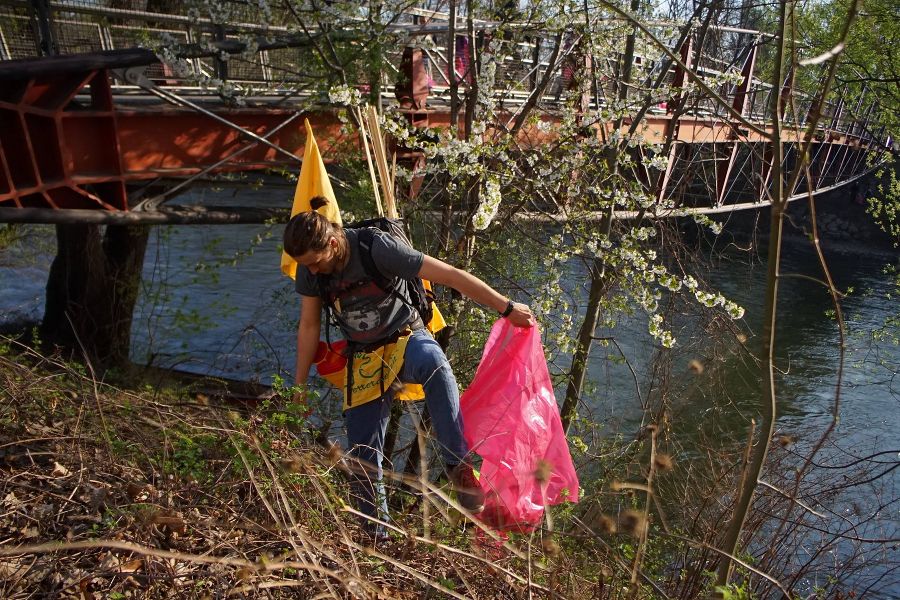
x=363, y=309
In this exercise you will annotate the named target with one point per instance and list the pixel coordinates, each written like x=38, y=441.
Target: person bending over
x=329, y=265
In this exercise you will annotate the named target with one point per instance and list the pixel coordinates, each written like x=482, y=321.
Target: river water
x=215, y=302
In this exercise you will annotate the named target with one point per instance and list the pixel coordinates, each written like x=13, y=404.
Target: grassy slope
x=151, y=491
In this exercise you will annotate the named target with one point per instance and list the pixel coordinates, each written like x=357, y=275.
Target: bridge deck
x=97, y=131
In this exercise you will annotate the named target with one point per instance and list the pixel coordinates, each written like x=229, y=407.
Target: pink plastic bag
x=512, y=421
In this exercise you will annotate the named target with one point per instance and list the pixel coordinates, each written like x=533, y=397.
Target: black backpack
x=418, y=298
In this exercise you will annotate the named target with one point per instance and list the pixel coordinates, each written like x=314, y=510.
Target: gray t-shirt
x=363, y=311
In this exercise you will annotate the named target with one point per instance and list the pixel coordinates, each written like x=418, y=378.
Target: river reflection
x=808, y=340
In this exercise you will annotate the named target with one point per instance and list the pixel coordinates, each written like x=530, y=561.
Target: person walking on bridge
x=331, y=273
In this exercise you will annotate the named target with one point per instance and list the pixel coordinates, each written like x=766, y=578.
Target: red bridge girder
x=61, y=148
x=176, y=142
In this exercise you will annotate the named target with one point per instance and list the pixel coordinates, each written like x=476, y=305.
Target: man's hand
x=521, y=315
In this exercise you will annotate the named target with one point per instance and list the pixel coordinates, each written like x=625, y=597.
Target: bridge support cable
x=862, y=130
x=739, y=104
x=136, y=76
x=831, y=133
x=849, y=133
x=817, y=161
x=674, y=109
x=787, y=90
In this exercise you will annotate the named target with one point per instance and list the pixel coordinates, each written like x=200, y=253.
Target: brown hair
x=310, y=231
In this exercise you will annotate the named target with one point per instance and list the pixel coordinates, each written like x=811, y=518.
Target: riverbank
x=841, y=217
x=153, y=490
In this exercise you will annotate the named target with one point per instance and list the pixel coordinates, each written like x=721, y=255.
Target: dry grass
x=156, y=491
x=108, y=492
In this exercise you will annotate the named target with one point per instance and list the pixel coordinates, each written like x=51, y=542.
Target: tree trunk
x=578, y=371
x=92, y=289
x=768, y=405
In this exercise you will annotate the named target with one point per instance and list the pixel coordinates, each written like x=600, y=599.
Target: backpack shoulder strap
x=327, y=305
x=365, y=237
x=322, y=284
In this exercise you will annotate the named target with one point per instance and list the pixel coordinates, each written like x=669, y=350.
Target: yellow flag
x=437, y=321
x=313, y=181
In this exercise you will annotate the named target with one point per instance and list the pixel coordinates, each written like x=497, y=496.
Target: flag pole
x=390, y=206
x=364, y=137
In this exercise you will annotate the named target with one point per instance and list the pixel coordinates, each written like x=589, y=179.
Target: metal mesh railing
x=17, y=39
x=79, y=26
x=79, y=36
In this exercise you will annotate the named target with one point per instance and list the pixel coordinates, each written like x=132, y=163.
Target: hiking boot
x=468, y=491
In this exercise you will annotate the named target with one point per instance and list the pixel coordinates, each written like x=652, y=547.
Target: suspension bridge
x=97, y=128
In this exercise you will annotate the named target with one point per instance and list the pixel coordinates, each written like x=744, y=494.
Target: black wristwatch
x=508, y=310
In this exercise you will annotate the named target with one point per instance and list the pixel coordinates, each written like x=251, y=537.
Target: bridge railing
x=76, y=26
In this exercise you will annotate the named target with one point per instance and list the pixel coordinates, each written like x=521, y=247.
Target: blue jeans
x=424, y=363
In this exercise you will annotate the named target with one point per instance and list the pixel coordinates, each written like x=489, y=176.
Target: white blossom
x=344, y=95
x=490, y=202
x=658, y=162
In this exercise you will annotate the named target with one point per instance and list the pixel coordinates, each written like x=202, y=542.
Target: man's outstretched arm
x=438, y=271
